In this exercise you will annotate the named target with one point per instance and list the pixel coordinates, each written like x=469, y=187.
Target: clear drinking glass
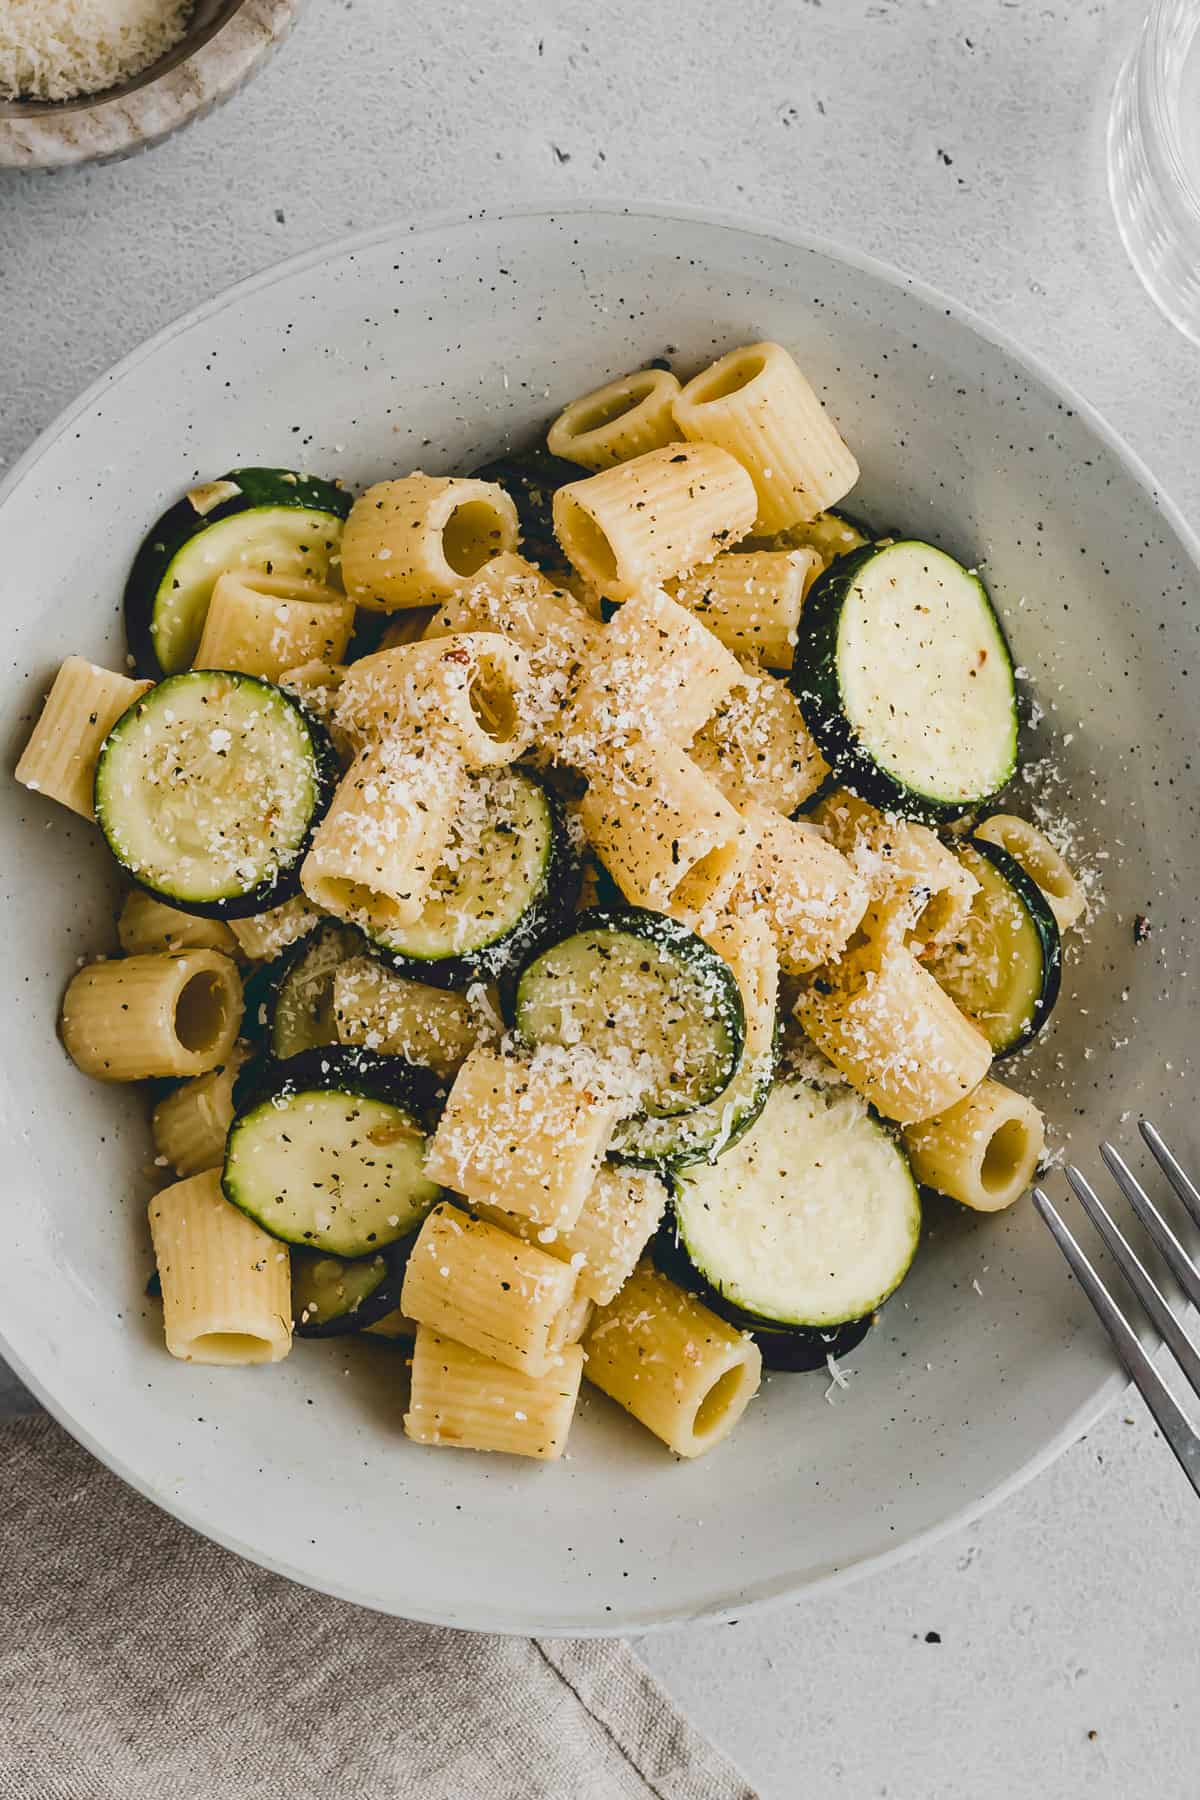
x=1154, y=159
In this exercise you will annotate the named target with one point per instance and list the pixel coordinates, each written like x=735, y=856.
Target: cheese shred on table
x=59, y=49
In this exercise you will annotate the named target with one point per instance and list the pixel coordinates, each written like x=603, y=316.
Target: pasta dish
x=571, y=914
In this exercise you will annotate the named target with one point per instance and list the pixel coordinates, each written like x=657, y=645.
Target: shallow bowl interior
x=433, y=349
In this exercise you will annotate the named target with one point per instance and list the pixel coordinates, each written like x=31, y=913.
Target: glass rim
x=1151, y=57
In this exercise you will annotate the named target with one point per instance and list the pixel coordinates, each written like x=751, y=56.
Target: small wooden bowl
x=225, y=44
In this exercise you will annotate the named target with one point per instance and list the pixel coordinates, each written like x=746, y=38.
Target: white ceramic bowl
x=430, y=347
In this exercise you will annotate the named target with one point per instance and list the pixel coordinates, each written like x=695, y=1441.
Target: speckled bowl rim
x=122, y=124
x=790, y=1584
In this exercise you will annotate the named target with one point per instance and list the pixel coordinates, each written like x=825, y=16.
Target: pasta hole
x=1006, y=1158
x=202, y=1012
x=720, y=1400
x=585, y=543
x=230, y=1347
x=491, y=700
x=608, y=408
x=472, y=535
x=727, y=377
x=356, y=899
x=705, y=877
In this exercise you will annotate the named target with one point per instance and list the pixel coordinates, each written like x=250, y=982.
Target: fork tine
x=1184, y=1186
x=1177, y=1258
x=1141, y=1371
x=1139, y=1279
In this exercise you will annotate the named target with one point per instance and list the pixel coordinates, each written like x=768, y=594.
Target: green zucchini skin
x=273, y=891
x=531, y=478
x=382, y=1299
x=543, y=920
x=816, y=682
x=332, y=941
x=1041, y=917
x=675, y=942
x=787, y=1349
x=343, y=1069
x=260, y=487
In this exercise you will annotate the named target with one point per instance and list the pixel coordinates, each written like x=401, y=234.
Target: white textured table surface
x=963, y=140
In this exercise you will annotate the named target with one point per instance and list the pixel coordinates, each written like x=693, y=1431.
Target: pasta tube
x=756, y=405
x=805, y=888
x=416, y=541
x=983, y=1152
x=226, y=1284
x=478, y=1285
x=461, y=696
x=522, y=1136
x=681, y=1371
x=468, y=1401
x=143, y=1016
x=375, y=852
x=266, y=624
x=757, y=748
x=644, y=521
x=619, y=421
x=83, y=705
x=882, y=1019
x=663, y=829
x=752, y=601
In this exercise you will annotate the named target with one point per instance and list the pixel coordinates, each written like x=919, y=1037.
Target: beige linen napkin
x=140, y=1662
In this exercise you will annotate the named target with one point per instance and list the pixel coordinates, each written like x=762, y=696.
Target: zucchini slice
x=641, y=987
x=300, y=1003
x=707, y=1132
x=268, y=521
x=1004, y=966
x=208, y=788
x=328, y=1149
x=332, y=1295
x=531, y=478
x=809, y=1223
x=906, y=682
x=507, y=882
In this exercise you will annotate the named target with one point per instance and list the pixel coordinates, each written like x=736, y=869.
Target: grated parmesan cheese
x=58, y=49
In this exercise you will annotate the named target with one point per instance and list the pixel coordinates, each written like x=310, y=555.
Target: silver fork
x=1168, y=1415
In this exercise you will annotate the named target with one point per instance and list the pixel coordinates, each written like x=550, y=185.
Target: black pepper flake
x=933, y=1637
x=1141, y=928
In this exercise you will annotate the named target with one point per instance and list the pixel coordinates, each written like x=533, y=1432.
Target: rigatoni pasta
x=806, y=888
x=619, y=1217
x=884, y=1022
x=190, y=1124
x=146, y=924
x=468, y=1401
x=1040, y=860
x=461, y=697
x=756, y=404
x=266, y=624
x=657, y=516
x=226, y=1284
x=751, y=600
x=663, y=829
x=83, y=705
x=656, y=672
x=522, y=1135
x=397, y=1017
x=172, y=1013
x=374, y=853
x=684, y=1373
x=488, y=1290
x=413, y=542
x=621, y=420
x=757, y=748
x=984, y=1151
